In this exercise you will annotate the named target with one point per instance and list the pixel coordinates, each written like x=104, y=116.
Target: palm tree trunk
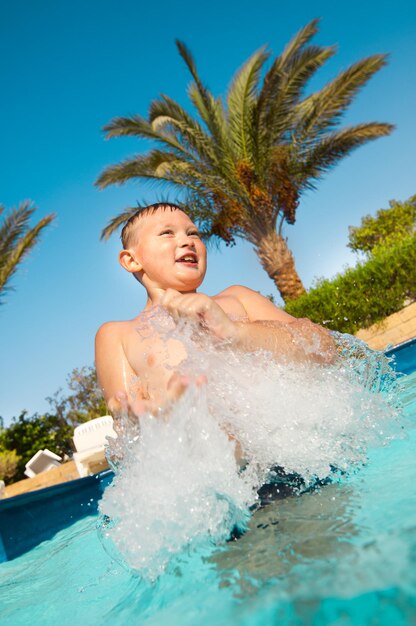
x=277, y=260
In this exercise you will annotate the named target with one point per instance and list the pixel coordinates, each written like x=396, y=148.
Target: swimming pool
x=344, y=554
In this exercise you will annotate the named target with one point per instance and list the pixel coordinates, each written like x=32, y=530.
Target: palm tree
x=17, y=239
x=243, y=164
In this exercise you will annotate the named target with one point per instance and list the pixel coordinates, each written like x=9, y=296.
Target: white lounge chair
x=90, y=440
x=42, y=461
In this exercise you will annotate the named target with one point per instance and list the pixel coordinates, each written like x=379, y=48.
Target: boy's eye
x=194, y=233
x=167, y=231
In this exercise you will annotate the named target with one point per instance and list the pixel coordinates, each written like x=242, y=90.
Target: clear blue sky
x=68, y=67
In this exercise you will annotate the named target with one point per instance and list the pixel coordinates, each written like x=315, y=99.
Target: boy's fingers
x=175, y=307
x=181, y=305
x=138, y=408
x=121, y=406
x=119, y=403
x=177, y=385
x=201, y=380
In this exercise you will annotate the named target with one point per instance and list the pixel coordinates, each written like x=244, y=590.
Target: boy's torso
x=153, y=359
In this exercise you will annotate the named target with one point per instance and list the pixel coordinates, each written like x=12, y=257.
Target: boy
x=164, y=252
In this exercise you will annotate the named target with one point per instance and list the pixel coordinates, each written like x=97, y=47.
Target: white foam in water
x=178, y=482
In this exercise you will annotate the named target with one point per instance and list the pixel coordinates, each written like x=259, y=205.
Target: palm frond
x=157, y=166
x=152, y=165
x=167, y=107
x=186, y=55
x=301, y=69
x=137, y=126
x=13, y=227
x=282, y=88
x=297, y=42
x=202, y=98
x=208, y=107
x=20, y=240
x=241, y=99
x=130, y=126
x=117, y=221
x=322, y=110
x=337, y=145
x=166, y=113
x=288, y=68
x=212, y=115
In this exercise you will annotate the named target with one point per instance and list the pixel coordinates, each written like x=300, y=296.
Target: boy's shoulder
x=116, y=328
x=257, y=307
x=237, y=291
x=245, y=296
x=109, y=335
x=121, y=329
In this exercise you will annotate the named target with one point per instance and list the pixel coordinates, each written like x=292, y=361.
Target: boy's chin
x=185, y=286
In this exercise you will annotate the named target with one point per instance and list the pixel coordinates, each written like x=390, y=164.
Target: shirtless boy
x=163, y=250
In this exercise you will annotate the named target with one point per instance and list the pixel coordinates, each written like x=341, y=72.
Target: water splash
x=178, y=485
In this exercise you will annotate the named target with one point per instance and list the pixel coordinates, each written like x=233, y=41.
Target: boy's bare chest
x=153, y=358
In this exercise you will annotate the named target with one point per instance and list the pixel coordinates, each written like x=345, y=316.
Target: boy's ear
x=128, y=261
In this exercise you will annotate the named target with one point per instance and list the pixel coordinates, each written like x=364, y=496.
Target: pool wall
x=28, y=519
x=404, y=356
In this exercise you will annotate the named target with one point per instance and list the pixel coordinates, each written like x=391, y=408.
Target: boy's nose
x=186, y=240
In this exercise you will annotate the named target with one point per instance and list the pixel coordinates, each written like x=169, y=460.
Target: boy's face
x=170, y=251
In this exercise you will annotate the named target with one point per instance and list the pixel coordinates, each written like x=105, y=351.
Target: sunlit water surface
x=343, y=553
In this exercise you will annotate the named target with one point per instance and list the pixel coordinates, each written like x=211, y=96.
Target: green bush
x=26, y=435
x=8, y=464
x=364, y=294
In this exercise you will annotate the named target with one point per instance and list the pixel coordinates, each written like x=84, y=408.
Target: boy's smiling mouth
x=188, y=258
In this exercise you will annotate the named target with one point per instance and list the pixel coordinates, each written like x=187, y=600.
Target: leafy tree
x=85, y=402
x=244, y=163
x=17, y=239
x=54, y=430
x=385, y=229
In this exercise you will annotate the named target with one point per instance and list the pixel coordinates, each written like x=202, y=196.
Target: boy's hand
x=200, y=308
x=122, y=406
x=177, y=385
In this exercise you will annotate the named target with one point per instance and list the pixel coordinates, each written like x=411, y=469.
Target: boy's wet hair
x=128, y=228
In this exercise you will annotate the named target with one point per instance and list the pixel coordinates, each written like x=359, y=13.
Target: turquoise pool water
x=344, y=554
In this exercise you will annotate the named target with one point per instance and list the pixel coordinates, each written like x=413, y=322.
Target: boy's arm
x=272, y=329
x=114, y=372
x=268, y=327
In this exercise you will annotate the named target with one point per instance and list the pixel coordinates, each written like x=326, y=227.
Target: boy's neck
x=154, y=297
